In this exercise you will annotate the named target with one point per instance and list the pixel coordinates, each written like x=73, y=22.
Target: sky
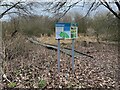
x=81, y=10
x=59, y=0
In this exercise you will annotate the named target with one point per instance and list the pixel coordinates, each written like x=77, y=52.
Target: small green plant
x=11, y=84
x=17, y=72
x=42, y=84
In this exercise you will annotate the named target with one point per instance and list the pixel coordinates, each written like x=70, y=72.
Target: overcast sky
x=60, y=0
x=81, y=10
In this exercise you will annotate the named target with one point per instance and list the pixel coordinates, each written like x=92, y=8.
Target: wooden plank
x=64, y=50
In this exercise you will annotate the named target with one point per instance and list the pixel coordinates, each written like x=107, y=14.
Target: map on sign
x=66, y=30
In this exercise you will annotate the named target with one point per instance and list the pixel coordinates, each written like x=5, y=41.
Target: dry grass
x=52, y=40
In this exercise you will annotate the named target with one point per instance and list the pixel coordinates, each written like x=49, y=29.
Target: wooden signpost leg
x=58, y=55
x=73, y=55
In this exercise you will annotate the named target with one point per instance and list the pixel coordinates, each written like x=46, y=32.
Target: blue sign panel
x=66, y=30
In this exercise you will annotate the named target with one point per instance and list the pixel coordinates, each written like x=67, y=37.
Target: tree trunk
x=118, y=66
x=1, y=54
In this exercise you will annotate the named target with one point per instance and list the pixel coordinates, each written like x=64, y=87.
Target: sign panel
x=66, y=30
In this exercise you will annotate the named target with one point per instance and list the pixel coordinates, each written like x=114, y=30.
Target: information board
x=66, y=30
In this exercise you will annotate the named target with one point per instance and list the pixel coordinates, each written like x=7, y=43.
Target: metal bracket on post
x=73, y=55
x=58, y=55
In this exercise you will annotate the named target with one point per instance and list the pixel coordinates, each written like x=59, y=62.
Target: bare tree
x=17, y=7
x=61, y=7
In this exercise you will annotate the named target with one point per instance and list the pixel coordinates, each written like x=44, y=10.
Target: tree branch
x=1, y=15
x=117, y=4
x=110, y=9
x=90, y=8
